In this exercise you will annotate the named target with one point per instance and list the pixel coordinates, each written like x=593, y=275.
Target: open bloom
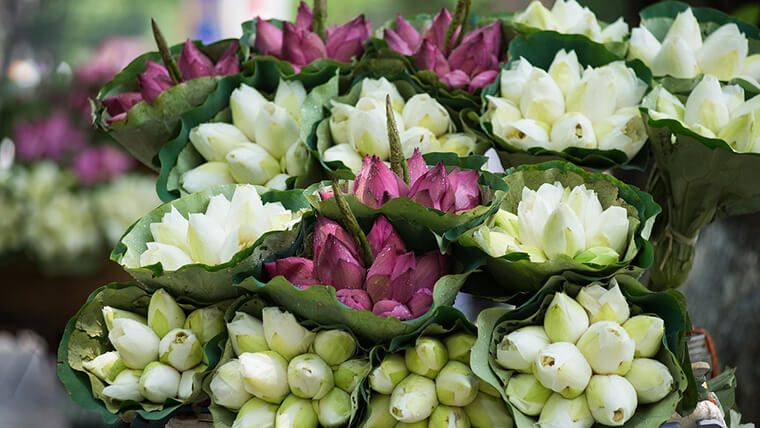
x=569, y=17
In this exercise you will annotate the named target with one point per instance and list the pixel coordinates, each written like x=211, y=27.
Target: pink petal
x=391, y=308
x=268, y=38
x=193, y=63
x=383, y=235
x=421, y=302
x=396, y=43
x=407, y=33
x=456, y=79
x=430, y=57
x=304, y=17
x=482, y=80
x=436, y=33
x=354, y=298
x=417, y=167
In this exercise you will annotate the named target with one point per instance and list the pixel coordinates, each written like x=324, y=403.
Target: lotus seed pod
x=427, y=357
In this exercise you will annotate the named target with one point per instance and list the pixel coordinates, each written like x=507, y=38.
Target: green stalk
x=398, y=163
x=318, y=17
x=352, y=224
x=461, y=16
x=166, y=56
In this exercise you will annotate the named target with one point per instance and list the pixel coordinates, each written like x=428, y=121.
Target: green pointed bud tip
x=350, y=373
x=310, y=377
x=334, y=346
x=334, y=409
x=414, y=399
x=448, y=417
x=164, y=314
x=159, y=382
x=518, y=349
x=488, y=411
x=110, y=313
x=295, y=412
x=607, y=348
x=427, y=357
x=206, y=323
x=565, y=319
x=256, y=413
x=391, y=371
x=265, y=375
x=456, y=384
x=527, y=394
x=246, y=334
x=105, y=366
x=647, y=331
x=651, y=379
x=379, y=414
x=284, y=334
x=459, y=346
x=227, y=386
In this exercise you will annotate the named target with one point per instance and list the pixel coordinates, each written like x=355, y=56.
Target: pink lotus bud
x=297, y=270
x=456, y=79
x=102, y=163
x=121, y=103
x=384, y=235
x=325, y=194
x=482, y=79
x=417, y=166
x=433, y=190
x=402, y=284
x=326, y=227
x=346, y=41
x=268, y=38
x=430, y=267
x=407, y=33
x=396, y=43
x=391, y=308
x=430, y=57
x=118, y=117
x=421, y=302
x=436, y=33
x=376, y=183
x=464, y=186
x=354, y=298
x=301, y=47
x=390, y=276
x=473, y=56
x=193, y=63
x=228, y=63
x=153, y=81
x=337, y=265
x=304, y=17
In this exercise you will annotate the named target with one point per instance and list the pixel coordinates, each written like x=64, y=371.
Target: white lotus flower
x=607, y=348
x=252, y=218
x=565, y=70
x=284, y=334
x=309, y=376
x=706, y=106
x=275, y=129
x=527, y=394
x=136, y=343
x=751, y=67
x=562, y=368
x=585, y=203
x=603, y=304
x=643, y=45
x=246, y=334
x=340, y=115
x=423, y=110
x=534, y=210
x=623, y=131
x=565, y=319
x=278, y=182
x=388, y=374
x=418, y=137
x=646, y=331
x=206, y=175
x=611, y=399
x=495, y=241
x=614, y=32
x=629, y=89
x=170, y=257
x=245, y=103
x=206, y=238
x=676, y=59
x=523, y=134
x=227, y=386
x=164, y=314
x=110, y=313
x=265, y=375
x=611, y=230
x=538, y=16
x=512, y=81
x=666, y=104
x=564, y=233
x=414, y=399
x=651, y=379
x=518, y=349
x=560, y=412
x=542, y=99
x=586, y=25
x=334, y=409
x=723, y=52
x=105, y=366
x=180, y=349
x=188, y=382
x=686, y=27
x=733, y=95
x=573, y=130
x=159, y=382
x=488, y=412
x=295, y=159
x=290, y=95
x=378, y=89
x=252, y=164
x=172, y=230
x=218, y=208
x=344, y=153
x=125, y=387
x=456, y=384
x=214, y=140
x=595, y=95
x=567, y=13
x=367, y=129
x=256, y=413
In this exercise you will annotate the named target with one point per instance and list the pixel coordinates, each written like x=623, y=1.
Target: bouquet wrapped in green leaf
x=128, y=351
x=563, y=96
x=200, y=245
x=277, y=371
x=612, y=353
x=558, y=219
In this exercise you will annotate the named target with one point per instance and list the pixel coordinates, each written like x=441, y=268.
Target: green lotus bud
x=334, y=346
x=136, y=343
x=518, y=349
x=379, y=414
x=456, y=384
x=159, y=382
x=126, y=386
x=227, y=386
x=206, y=323
x=527, y=394
x=334, y=409
x=647, y=332
x=265, y=375
x=565, y=319
x=284, y=334
x=309, y=376
x=651, y=379
x=413, y=399
x=256, y=413
x=559, y=412
x=603, y=304
x=486, y=388
x=448, y=417
x=607, y=348
x=105, y=366
x=391, y=371
x=459, y=345
x=181, y=349
x=611, y=399
x=601, y=256
x=350, y=373
x=111, y=313
x=246, y=334
x=164, y=314
x=296, y=412
x=488, y=411
x=187, y=381
x=427, y=357
x=562, y=368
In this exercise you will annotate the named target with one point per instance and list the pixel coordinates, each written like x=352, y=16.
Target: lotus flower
x=390, y=276
x=102, y=163
x=383, y=235
x=354, y=299
x=298, y=270
x=473, y=64
x=376, y=183
x=430, y=267
x=299, y=45
x=337, y=265
x=392, y=308
x=326, y=227
x=52, y=137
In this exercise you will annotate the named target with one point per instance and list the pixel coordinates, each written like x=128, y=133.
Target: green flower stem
x=352, y=225
x=166, y=56
x=318, y=17
x=398, y=164
x=460, y=17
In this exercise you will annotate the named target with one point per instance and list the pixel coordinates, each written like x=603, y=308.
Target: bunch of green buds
x=432, y=385
x=286, y=375
x=159, y=357
x=589, y=362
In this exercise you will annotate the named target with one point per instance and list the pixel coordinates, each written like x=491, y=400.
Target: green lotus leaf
x=198, y=281
x=515, y=278
x=539, y=48
x=86, y=337
x=495, y=323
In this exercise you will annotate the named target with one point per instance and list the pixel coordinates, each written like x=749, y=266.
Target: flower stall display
x=608, y=353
